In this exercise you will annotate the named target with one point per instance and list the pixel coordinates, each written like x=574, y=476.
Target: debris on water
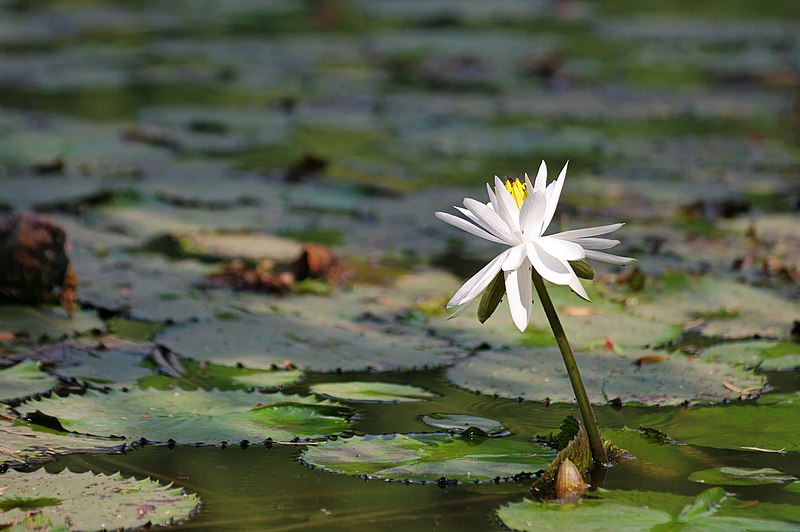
x=307, y=166
x=316, y=262
x=34, y=267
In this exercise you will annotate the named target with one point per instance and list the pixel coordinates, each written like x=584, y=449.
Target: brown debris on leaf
x=34, y=267
x=315, y=262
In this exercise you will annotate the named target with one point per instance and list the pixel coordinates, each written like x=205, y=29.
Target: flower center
x=518, y=191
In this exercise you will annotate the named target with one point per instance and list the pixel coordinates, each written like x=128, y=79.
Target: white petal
x=548, y=267
x=518, y=290
x=466, y=226
x=541, y=178
x=478, y=282
x=607, y=257
x=528, y=185
x=532, y=214
x=459, y=310
x=514, y=258
x=508, y=211
x=577, y=287
x=490, y=220
x=554, y=194
x=588, y=231
x=595, y=243
x=493, y=203
x=562, y=249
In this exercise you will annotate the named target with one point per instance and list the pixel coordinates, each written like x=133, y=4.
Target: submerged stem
x=584, y=406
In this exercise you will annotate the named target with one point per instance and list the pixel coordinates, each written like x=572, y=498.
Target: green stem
x=584, y=406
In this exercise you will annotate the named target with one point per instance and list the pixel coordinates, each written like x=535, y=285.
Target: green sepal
x=491, y=297
x=582, y=269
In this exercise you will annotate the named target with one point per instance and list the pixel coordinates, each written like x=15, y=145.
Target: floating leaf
x=757, y=311
x=144, y=287
x=649, y=510
x=372, y=392
x=273, y=339
x=196, y=375
x=194, y=416
x=656, y=455
x=764, y=354
x=776, y=427
x=538, y=374
x=461, y=422
x=429, y=457
x=50, y=322
x=107, y=362
x=26, y=443
x=24, y=379
x=740, y=476
x=85, y=501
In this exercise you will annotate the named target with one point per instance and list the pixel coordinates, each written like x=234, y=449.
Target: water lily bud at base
x=569, y=482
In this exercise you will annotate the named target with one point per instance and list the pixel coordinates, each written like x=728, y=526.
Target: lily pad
x=763, y=354
x=538, y=374
x=749, y=311
x=85, y=501
x=429, y=457
x=740, y=476
x=193, y=375
x=160, y=416
x=144, y=287
x=49, y=322
x=372, y=392
x=24, y=379
x=107, y=362
x=461, y=422
x=738, y=427
x=649, y=510
x=27, y=443
x=656, y=455
x=274, y=339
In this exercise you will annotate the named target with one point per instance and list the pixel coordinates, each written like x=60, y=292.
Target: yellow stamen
x=518, y=191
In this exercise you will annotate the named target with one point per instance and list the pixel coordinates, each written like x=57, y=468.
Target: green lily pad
x=85, y=148
x=776, y=427
x=461, y=422
x=794, y=487
x=428, y=457
x=85, y=501
x=144, y=287
x=50, y=322
x=24, y=379
x=27, y=443
x=764, y=354
x=588, y=324
x=194, y=375
x=194, y=416
x=749, y=311
x=656, y=455
x=538, y=374
x=261, y=341
x=372, y=392
x=108, y=362
x=740, y=476
x=649, y=510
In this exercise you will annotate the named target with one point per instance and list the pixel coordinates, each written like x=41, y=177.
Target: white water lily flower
x=517, y=216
